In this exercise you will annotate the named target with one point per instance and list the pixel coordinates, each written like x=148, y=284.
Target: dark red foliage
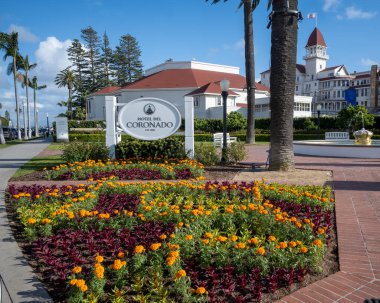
x=58, y=254
x=128, y=174
x=107, y=203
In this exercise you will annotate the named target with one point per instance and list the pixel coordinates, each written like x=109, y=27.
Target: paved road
x=21, y=283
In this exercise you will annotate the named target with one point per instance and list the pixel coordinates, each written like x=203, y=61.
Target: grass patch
x=57, y=146
x=38, y=164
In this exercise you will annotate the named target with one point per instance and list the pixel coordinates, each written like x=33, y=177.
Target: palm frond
x=270, y=2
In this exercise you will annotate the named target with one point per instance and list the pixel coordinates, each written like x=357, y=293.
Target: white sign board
x=62, y=129
x=149, y=118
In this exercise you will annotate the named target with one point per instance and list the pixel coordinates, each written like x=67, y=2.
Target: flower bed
x=131, y=169
x=174, y=242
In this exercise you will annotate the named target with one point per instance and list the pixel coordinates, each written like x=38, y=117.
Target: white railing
x=337, y=136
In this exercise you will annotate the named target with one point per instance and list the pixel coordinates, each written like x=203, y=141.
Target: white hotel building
x=175, y=81
x=327, y=85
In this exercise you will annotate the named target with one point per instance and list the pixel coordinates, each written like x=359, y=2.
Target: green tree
x=9, y=44
x=106, y=60
x=76, y=54
x=236, y=121
x=249, y=7
x=92, y=70
x=26, y=66
x=35, y=86
x=67, y=78
x=126, y=60
x=354, y=118
x=284, y=23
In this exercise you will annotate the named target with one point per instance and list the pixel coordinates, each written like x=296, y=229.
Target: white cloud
x=353, y=13
x=51, y=57
x=24, y=34
x=368, y=62
x=329, y=5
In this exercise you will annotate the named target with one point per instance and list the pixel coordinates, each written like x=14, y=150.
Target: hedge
x=87, y=124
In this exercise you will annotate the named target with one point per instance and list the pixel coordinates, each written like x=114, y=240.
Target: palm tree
x=9, y=43
x=26, y=66
x=249, y=7
x=34, y=84
x=67, y=78
x=282, y=82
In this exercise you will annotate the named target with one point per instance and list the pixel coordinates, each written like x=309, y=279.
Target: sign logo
x=149, y=118
x=149, y=109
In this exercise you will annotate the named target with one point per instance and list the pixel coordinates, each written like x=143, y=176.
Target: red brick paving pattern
x=356, y=183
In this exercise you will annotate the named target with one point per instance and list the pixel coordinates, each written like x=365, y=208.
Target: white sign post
x=62, y=128
x=144, y=118
x=189, y=126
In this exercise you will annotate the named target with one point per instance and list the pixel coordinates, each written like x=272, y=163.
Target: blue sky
x=177, y=29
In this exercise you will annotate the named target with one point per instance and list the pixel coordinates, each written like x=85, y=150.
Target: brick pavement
x=356, y=183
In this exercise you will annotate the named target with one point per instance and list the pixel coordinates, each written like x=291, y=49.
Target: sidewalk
x=22, y=284
x=356, y=183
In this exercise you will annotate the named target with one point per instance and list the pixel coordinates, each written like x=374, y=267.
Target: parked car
x=9, y=133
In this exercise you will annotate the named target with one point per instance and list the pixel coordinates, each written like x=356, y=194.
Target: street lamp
x=47, y=124
x=319, y=107
x=224, y=86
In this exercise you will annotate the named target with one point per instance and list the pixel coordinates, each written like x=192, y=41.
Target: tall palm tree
x=249, y=7
x=9, y=43
x=284, y=22
x=34, y=85
x=67, y=78
x=26, y=66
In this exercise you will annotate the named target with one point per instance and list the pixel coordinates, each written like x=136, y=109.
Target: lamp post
x=319, y=107
x=47, y=124
x=37, y=131
x=224, y=86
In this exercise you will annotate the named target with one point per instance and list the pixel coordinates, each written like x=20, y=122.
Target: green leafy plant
x=236, y=152
x=206, y=154
x=82, y=151
x=353, y=117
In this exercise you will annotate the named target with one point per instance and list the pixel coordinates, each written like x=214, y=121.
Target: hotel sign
x=149, y=118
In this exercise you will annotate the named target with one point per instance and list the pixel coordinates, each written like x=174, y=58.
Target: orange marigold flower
x=221, y=239
x=155, y=246
x=170, y=261
x=208, y=235
x=321, y=230
x=253, y=241
x=188, y=237
x=200, y=291
x=260, y=250
x=99, y=271
x=77, y=269
x=292, y=244
x=163, y=237
x=32, y=221
x=271, y=238
x=283, y=245
x=99, y=259
x=240, y=245
x=173, y=246
x=83, y=288
x=45, y=221
x=118, y=264
x=317, y=242
x=181, y=273
x=172, y=236
x=139, y=249
x=120, y=254
x=303, y=249
x=205, y=241
x=234, y=238
x=174, y=254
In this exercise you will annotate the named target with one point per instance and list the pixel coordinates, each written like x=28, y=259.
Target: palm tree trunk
x=27, y=105
x=69, y=105
x=37, y=133
x=16, y=97
x=282, y=83
x=249, y=70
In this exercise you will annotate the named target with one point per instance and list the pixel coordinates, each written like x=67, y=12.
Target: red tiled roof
x=244, y=105
x=316, y=38
x=180, y=78
x=362, y=76
x=106, y=90
x=262, y=87
x=210, y=88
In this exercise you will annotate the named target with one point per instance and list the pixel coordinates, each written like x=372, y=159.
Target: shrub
x=87, y=124
x=309, y=124
x=206, y=154
x=172, y=147
x=82, y=151
x=236, y=121
x=236, y=152
x=87, y=137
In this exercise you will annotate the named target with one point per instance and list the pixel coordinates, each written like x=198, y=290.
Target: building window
x=312, y=77
x=196, y=101
x=296, y=87
x=218, y=100
x=257, y=108
x=338, y=93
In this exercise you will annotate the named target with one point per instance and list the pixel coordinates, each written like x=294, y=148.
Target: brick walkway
x=357, y=192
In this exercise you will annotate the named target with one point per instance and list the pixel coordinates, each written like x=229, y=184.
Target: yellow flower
x=181, y=273
x=155, y=246
x=139, y=249
x=77, y=269
x=200, y=291
x=260, y=250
